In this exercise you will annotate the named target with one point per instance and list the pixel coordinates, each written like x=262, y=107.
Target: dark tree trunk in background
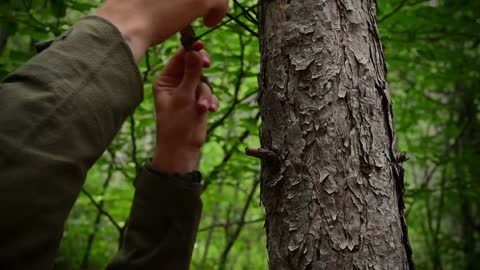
x=467, y=151
x=3, y=40
x=334, y=197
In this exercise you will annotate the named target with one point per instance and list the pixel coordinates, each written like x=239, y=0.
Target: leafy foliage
x=432, y=52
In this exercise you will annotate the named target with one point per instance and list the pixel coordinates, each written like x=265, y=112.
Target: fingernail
x=206, y=61
x=203, y=105
x=199, y=46
x=204, y=101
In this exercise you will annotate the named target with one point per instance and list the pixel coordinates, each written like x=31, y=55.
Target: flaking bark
x=335, y=198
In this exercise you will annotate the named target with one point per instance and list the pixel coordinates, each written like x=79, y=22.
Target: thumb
x=192, y=74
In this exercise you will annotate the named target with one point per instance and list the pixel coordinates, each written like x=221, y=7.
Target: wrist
x=135, y=32
x=177, y=160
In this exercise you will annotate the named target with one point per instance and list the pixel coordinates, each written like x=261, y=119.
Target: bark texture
x=334, y=194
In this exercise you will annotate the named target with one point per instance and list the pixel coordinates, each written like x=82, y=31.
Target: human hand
x=182, y=102
x=145, y=23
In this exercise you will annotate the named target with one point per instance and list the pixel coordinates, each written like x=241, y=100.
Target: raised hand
x=182, y=103
x=145, y=23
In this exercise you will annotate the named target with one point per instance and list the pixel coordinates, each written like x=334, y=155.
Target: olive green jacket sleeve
x=58, y=113
x=163, y=222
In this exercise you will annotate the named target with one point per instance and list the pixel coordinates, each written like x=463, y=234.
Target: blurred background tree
x=432, y=52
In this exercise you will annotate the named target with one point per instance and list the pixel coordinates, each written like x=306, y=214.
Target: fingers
x=199, y=45
x=205, y=58
x=214, y=105
x=216, y=13
x=204, y=97
x=175, y=66
x=206, y=101
x=192, y=74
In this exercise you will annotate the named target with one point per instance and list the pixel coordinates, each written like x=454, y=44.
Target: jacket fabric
x=58, y=114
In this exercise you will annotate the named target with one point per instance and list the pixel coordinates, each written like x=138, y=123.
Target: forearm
x=145, y=23
x=133, y=30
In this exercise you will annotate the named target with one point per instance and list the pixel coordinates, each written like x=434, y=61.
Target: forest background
x=432, y=52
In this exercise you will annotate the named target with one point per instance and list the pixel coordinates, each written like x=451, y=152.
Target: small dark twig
x=402, y=157
x=46, y=27
x=149, y=67
x=98, y=218
x=227, y=225
x=226, y=21
x=238, y=84
x=247, y=13
x=395, y=10
x=213, y=174
x=243, y=25
x=236, y=233
x=133, y=137
x=261, y=153
x=101, y=210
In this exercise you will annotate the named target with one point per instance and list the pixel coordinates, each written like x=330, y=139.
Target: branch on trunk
x=261, y=153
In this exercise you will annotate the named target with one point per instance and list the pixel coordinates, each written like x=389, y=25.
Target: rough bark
x=334, y=193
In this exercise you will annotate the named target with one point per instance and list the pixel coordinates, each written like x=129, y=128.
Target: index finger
x=176, y=64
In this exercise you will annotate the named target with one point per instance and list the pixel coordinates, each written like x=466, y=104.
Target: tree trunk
x=333, y=192
x=3, y=39
x=466, y=164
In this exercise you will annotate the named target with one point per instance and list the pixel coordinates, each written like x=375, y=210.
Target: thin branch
x=101, y=210
x=227, y=156
x=243, y=25
x=395, y=10
x=400, y=6
x=209, y=237
x=262, y=154
x=238, y=83
x=240, y=226
x=47, y=27
x=227, y=225
x=96, y=223
x=226, y=21
x=133, y=137
x=247, y=13
x=148, y=65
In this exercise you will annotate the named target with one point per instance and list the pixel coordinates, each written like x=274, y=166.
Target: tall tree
x=3, y=40
x=332, y=182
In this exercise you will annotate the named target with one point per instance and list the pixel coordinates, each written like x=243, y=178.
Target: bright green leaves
x=433, y=57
